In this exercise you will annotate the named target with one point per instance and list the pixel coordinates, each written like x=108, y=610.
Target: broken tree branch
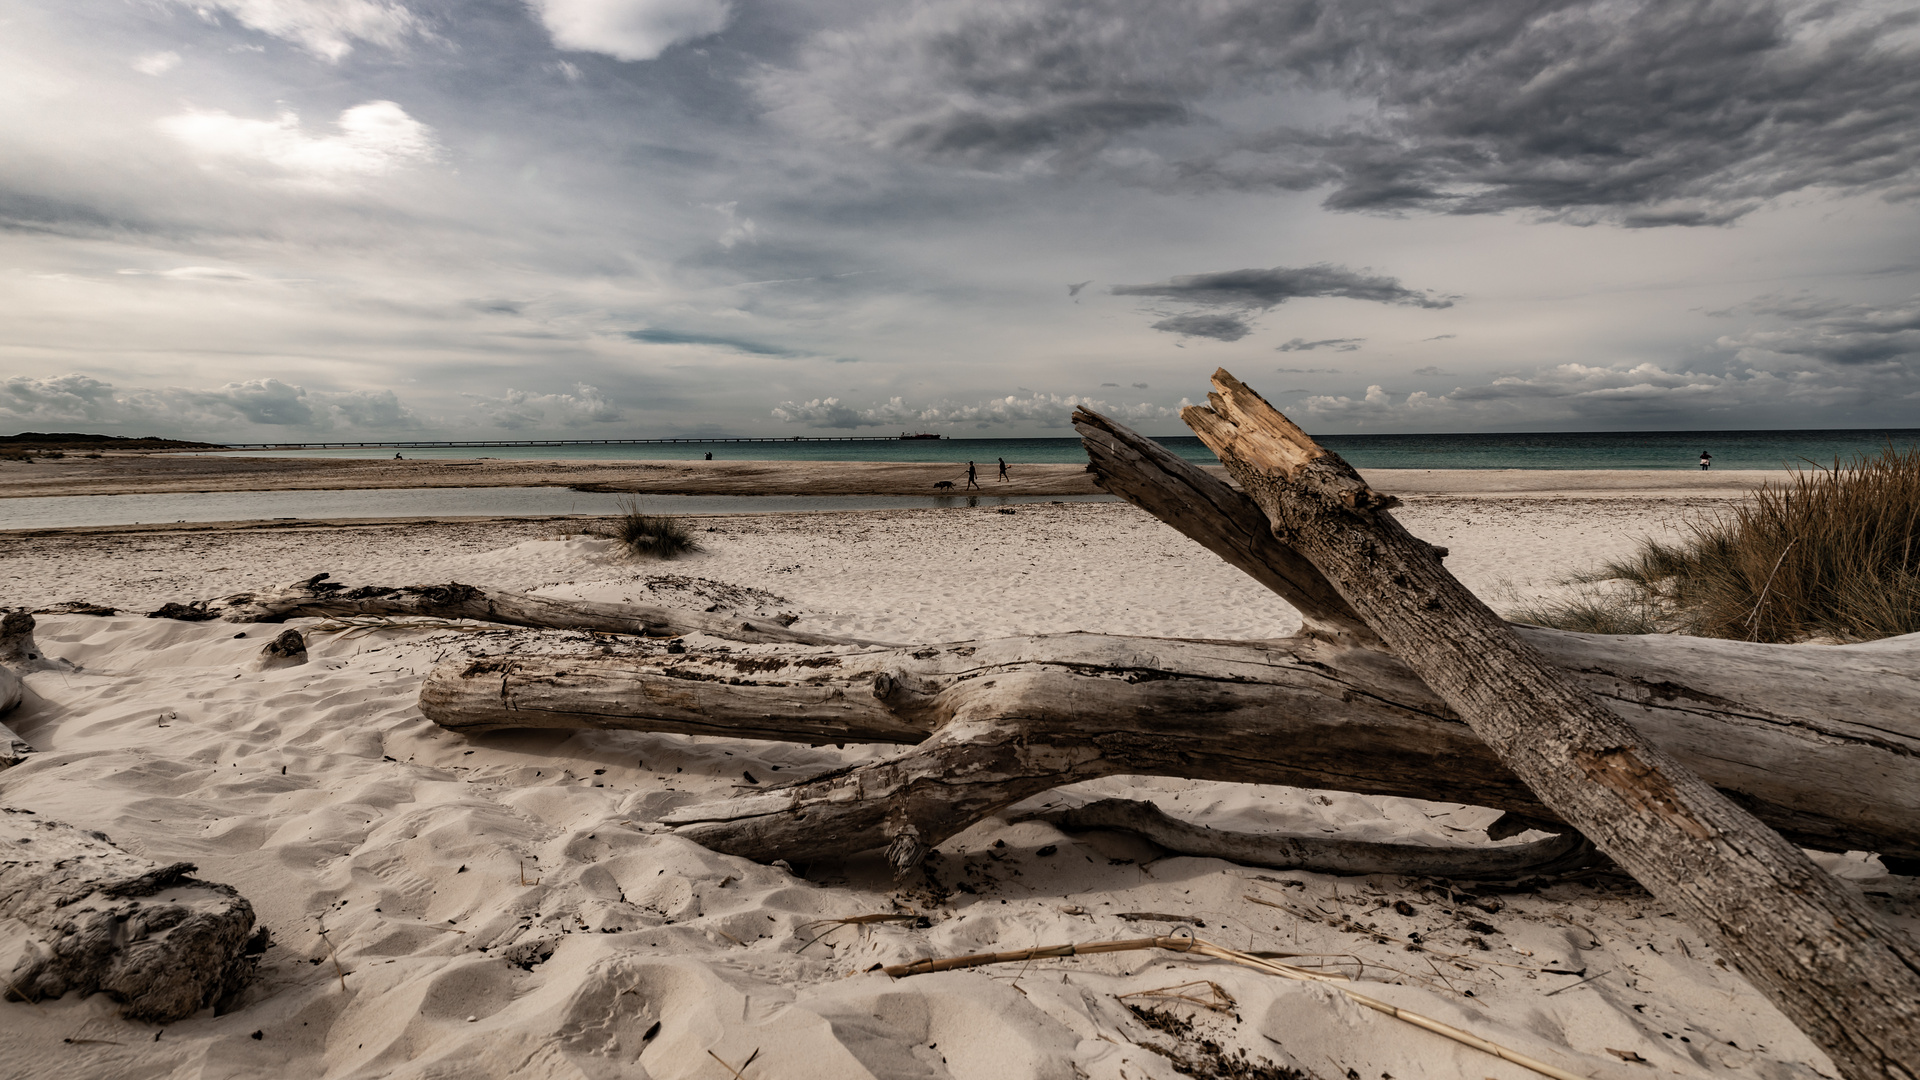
x=1810, y=945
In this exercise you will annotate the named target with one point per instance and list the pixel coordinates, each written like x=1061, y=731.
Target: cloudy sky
x=286, y=219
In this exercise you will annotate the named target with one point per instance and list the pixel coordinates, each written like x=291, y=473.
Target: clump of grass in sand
x=1598, y=612
x=1832, y=554
x=657, y=535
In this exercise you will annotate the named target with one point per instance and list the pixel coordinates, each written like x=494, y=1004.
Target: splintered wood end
x=1238, y=421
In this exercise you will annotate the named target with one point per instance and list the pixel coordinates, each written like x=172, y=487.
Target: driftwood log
x=85, y=916
x=1554, y=856
x=1568, y=726
x=1300, y=711
x=1812, y=946
x=318, y=597
x=1821, y=742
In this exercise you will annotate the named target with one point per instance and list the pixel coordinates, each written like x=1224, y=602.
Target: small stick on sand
x=1247, y=960
x=736, y=1072
x=334, y=955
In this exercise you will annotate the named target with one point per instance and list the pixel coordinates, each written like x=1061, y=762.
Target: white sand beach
x=506, y=905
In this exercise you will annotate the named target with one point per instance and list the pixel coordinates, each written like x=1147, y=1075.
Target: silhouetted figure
x=1003, y=468
x=397, y=457
x=709, y=455
x=972, y=476
x=1706, y=460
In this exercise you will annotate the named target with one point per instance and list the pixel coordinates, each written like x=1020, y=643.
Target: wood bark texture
x=98, y=920
x=1300, y=711
x=1851, y=983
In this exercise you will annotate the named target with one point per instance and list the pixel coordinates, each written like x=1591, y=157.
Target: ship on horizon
x=921, y=435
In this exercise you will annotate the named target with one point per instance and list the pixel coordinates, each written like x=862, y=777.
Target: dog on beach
x=948, y=484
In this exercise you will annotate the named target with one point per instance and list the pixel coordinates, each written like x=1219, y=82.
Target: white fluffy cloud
x=326, y=28
x=630, y=29
x=157, y=63
x=374, y=138
x=64, y=397
x=67, y=399
x=520, y=409
x=1046, y=410
x=1638, y=395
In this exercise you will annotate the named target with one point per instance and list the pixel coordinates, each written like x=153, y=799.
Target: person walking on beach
x=1706, y=460
x=971, y=481
x=1003, y=469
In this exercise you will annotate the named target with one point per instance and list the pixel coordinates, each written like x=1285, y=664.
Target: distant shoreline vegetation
x=73, y=440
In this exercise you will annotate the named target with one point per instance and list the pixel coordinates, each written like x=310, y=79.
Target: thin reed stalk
x=1255, y=961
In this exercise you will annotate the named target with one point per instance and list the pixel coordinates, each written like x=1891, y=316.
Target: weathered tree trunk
x=1834, y=771
x=317, y=597
x=1813, y=947
x=162, y=943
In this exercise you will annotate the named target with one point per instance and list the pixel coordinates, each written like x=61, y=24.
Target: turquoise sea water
x=1540, y=450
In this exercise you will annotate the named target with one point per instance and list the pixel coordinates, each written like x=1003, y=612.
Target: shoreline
x=144, y=475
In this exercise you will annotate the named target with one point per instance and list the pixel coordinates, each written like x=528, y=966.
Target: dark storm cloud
x=1830, y=332
x=1263, y=289
x=1342, y=344
x=675, y=337
x=1070, y=126
x=1856, y=361
x=1218, y=327
x=1257, y=290
x=1648, y=114
x=1672, y=114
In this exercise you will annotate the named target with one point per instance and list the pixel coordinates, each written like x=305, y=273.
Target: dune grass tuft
x=1831, y=554
x=1597, y=612
x=658, y=535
